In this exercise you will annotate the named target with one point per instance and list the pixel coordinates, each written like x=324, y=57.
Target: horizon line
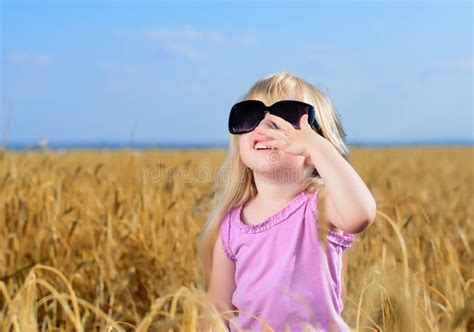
x=115, y=144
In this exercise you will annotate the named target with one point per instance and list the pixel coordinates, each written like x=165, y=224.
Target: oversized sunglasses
x=246, y=115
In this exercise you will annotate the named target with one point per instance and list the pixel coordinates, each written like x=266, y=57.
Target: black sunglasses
x=246, y=115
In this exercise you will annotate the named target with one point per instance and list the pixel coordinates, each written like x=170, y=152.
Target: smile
x=260, y=145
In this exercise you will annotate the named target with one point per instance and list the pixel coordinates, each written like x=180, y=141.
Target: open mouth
x=260, y=145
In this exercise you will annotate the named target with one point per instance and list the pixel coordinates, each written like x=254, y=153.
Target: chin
x=264, y=168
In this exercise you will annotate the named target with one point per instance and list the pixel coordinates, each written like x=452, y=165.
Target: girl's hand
x=289, y=139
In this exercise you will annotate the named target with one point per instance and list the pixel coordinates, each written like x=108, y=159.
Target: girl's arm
x=350, y=205
x=221, y=284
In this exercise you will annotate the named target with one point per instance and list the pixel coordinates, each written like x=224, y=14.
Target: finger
x=276, y=143
x=281, y=123
x=304, y=121
x=275, y=134
x=266, y=122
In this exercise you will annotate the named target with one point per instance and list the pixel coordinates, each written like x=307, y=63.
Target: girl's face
x=277, y=162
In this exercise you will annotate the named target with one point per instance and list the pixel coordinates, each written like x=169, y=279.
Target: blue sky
x=84, y=71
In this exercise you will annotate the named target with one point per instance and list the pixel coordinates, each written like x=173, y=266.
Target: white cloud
x=247, y=40
x=183, y=50
x=21, y=58
x=43, y=59
x=443, y=68
x=465, y=64
x=131, y=69
x=185, y=33
x=187, y=41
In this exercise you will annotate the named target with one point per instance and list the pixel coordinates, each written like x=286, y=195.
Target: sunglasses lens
x=245, y=116
x=292, y=112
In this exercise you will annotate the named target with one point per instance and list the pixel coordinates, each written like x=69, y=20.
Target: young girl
x=286, y=175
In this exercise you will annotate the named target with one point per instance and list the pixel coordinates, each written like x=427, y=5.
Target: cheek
x=244, y=147
x=242, y=143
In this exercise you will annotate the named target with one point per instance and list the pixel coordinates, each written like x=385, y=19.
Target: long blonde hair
x=235, y=184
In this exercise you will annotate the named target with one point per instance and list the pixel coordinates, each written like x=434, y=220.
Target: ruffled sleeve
x=225, y=235
x=342, y=239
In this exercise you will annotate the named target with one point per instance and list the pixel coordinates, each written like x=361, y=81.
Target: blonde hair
x=229, y=193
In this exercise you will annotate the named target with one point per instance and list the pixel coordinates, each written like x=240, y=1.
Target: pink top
x=282, y=274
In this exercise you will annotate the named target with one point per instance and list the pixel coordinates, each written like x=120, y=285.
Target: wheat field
x=103, y=240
